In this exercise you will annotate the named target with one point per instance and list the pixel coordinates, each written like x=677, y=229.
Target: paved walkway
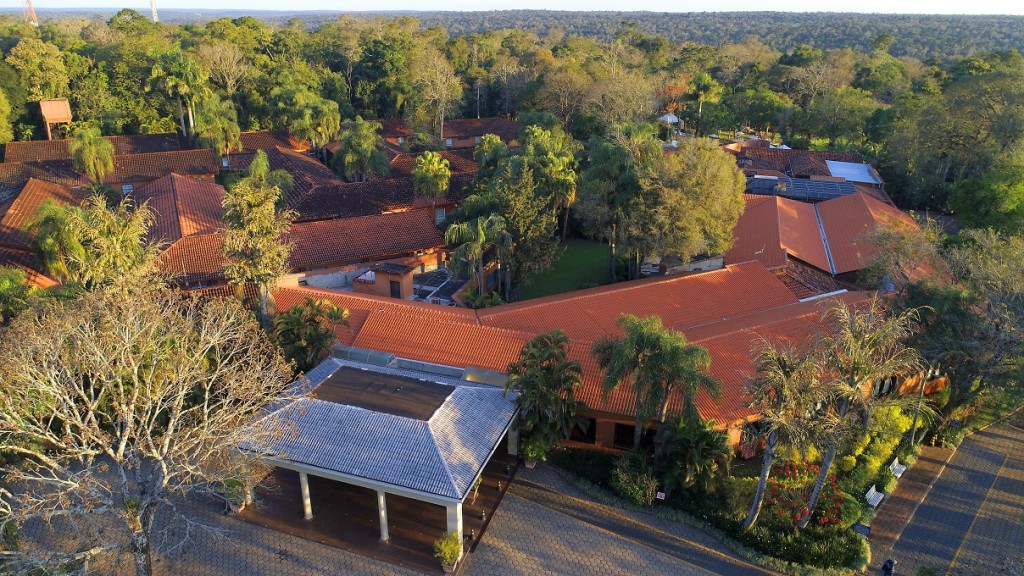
x=972, y=522
x=546, y=526
x=898, y=509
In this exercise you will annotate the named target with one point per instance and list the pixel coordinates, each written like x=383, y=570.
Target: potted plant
x=448, y=550
x=476, y=487
x=534, y=449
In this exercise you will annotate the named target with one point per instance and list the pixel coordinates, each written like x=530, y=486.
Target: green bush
x=851, y=511
x=860, y=444
x=633, y=479
x=886, y=481
x=846, y=463
x=829, y=547
x=590, y=465
x=448, y=549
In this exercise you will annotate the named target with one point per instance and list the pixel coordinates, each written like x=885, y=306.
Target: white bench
x=896, y=468
x=874, y=497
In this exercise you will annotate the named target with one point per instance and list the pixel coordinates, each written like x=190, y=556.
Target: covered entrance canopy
x=419, y=436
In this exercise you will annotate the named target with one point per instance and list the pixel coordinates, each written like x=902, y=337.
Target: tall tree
x=703, y=89
x=253, y=244
x=654, y=363
x=217, y=125
x=785, y=391
x=545, y=380
x=314, y=119
x=862, y=346
x=360, y=153
x=226, y=63
x=92, y=153
x=305, y=331
x=41, y=68
x=551, y=156
x=179, y=76
x=154, y=393
x=6, y=129
x=431, y=177
x=472, y=239
x=438, y=89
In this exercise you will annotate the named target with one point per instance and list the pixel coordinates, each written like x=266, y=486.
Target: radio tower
x=28, y=12
x=152, y=9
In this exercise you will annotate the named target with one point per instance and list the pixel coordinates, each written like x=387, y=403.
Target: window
x=476, y=140
x=439, y=215
x=396, y=289
x=588, y=436
x=224, y=161
x=127, y=189
x=448, y=142
x=623, y=436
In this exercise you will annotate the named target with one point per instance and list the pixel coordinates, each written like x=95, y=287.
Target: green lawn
x=583, y=264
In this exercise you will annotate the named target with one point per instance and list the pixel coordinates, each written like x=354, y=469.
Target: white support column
x=455, y=521
x=382, y=513
x=307, y=506
x=513, y=439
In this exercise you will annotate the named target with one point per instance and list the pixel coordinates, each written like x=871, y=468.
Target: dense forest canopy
x=919, y=35
x=944, y=130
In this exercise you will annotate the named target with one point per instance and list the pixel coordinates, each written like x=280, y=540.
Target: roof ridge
x=437, y=447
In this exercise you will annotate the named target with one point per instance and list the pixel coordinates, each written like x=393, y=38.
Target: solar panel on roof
x=799, y=188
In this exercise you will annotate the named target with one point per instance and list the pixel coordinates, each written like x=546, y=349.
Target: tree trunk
x=700, y=110
x=826, y=466
x=181, y=118
x=480, y=280
x=142, y=548
x=264, y=312
x=565, y=222
x=762, y=482
x=191, y=121
x=478, y=99
x=612, y=262
x=638, y=431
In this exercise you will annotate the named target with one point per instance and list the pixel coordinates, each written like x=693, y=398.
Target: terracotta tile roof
x=792, y=162
x=394, y=128
x=799, y=232
x=463, y=128
x=26, y=260
x=21, y=211
x=151, y=166
x=268, y=140
x=350, y=240
x=757, y=234
x=183, y=206
x=457, y=337
x=682, y=302
x=849, y=222
x=41, y=150
x=14, y=175
x=364, y=198
x=402, y=166
x=196, y=259
x=307, y=172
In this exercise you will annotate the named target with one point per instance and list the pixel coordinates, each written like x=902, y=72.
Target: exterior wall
x=381, y=285
x=911, y=385
x=341, y=276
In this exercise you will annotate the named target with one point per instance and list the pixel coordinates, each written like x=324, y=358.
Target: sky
x=1015, y=7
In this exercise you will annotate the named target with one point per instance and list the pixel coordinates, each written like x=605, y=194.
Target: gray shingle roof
x=441, y=456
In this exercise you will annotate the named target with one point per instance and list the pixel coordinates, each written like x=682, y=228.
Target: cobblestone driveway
x=972, y=522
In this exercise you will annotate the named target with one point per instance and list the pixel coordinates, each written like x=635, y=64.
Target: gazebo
x=394, y=431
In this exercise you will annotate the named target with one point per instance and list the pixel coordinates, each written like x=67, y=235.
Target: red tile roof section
x=269, y=139
x=800, y=233
x=151, y=166
x=682, y=302
x=756, y=235
x=197, y=259
x=850, y=221
x=14, y=175
x=13, y=226
x=402, y=166
x=42, y=150
x=183, y=206
x=350, y=240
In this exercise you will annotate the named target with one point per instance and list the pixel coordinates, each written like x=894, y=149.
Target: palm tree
x=690, y=453
x=360, y=151
x=431, y=177
x=784, y=393
x=55, y=241
x=15, y=293
x=92, y=153
x=181, y=77
x=218, y=125
x=863, y=346
x=253, y=245
x=654, y=362
x=546, y=381
x=316, y=120
x=473, y=238
x=704, y=88
x=305, y=332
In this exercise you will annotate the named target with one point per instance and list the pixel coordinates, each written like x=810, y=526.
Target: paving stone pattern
x=972, y=522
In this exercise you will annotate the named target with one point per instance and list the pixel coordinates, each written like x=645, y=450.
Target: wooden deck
x=345, y=516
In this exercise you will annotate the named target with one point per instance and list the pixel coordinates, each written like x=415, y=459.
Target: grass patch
x=999, y=404
x=746, y=468
x=583, y=264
